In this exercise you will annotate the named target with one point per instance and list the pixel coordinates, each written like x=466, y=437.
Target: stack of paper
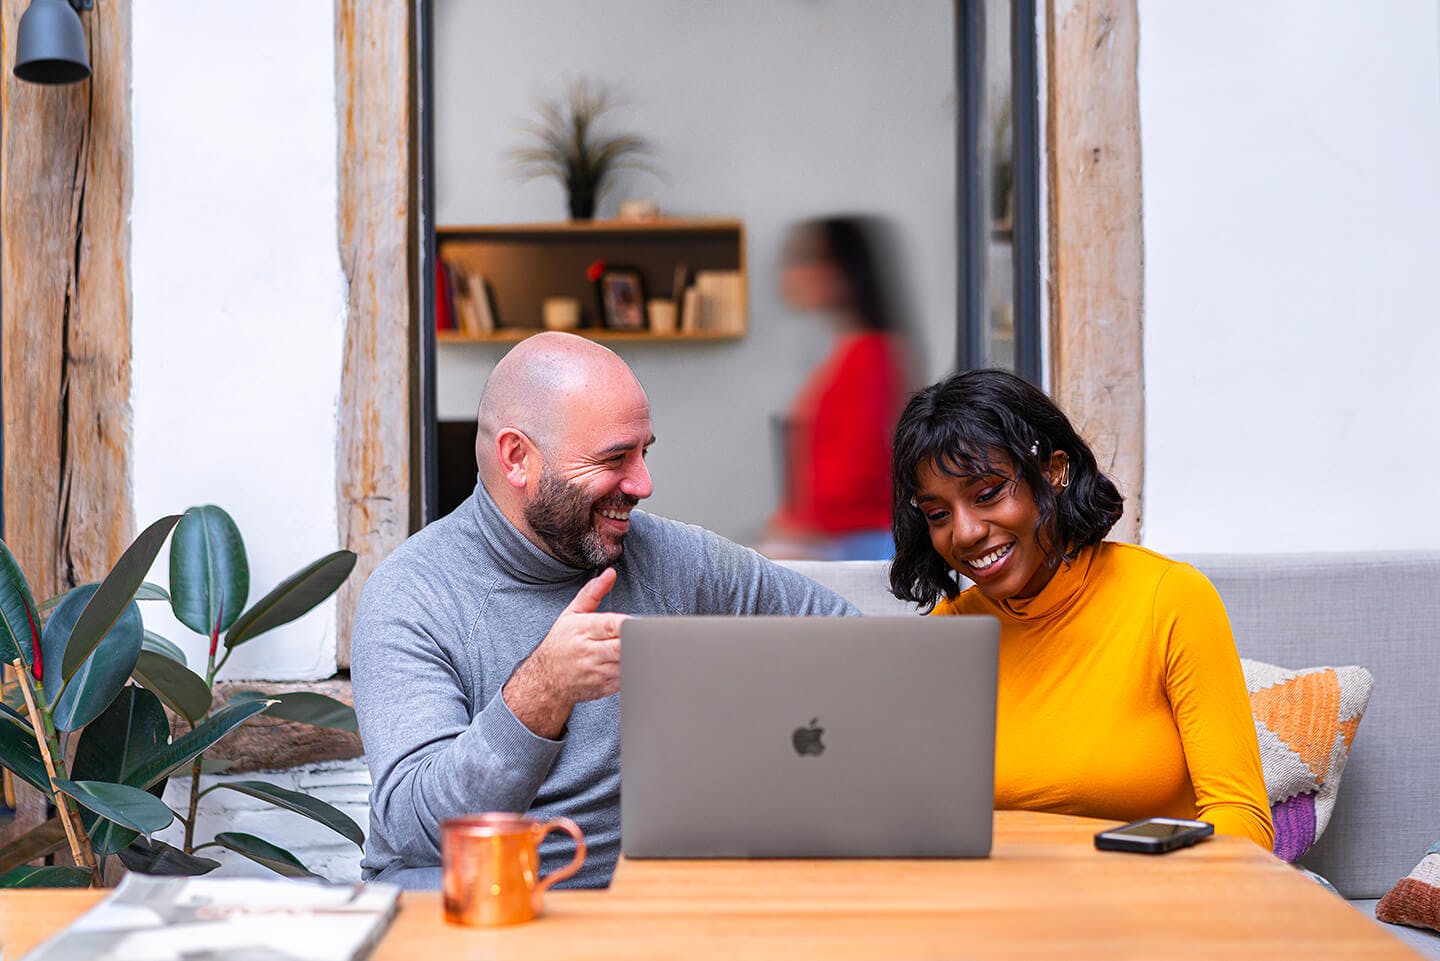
x=722, y=300
x=227, y=919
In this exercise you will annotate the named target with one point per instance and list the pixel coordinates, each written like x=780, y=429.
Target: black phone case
x=1113, y=841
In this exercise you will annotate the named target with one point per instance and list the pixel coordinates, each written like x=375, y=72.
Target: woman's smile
x=986, y=528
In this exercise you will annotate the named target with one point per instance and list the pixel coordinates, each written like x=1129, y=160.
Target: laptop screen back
x=808, y=736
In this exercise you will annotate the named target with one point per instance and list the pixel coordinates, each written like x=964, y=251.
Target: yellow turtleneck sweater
x=1121, y=696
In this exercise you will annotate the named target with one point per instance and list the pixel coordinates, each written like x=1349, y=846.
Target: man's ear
x=518, y=457
x=1058, y=470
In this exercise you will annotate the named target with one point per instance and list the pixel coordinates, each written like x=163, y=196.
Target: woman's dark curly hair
x=992, y=422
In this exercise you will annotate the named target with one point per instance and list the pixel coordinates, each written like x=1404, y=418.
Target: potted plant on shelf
x=567, y=143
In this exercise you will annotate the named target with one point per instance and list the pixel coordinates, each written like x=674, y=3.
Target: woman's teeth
x=980, y=563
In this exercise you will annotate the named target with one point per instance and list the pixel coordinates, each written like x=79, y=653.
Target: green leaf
x=47, y=877
x=152, y=592
x=18, y=618
x=209, y=575
x=263, y=852
x=154, y=642
x=216, y=765
x=116, y=594
x=38, y=842
x=50, y=602
x=13, y=698
x=159, y=858
x=20, y=753
x=127, y=806
x=294, y=596
x=312, y=808
x=307, y=707
x=134, y=726
x=106, y=668
x=171, y=757
x=147, y=592
x=180, y=688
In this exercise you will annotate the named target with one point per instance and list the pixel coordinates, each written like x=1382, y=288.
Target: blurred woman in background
x=838, y=435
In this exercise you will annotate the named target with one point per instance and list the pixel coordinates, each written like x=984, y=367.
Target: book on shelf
x=470, y=292
x=444, y=305
x=176, y=919
x=690, y=311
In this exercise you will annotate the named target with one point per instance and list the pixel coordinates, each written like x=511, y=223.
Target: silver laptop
x=807, y=736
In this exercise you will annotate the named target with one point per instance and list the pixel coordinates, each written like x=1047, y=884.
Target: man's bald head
x=536, y=386
x=564, y=428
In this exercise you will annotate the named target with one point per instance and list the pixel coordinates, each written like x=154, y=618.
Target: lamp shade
x=50, y=44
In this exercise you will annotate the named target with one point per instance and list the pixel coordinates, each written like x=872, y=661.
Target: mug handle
x=555, y=877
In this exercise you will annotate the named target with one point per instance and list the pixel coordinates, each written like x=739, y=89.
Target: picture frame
x=621, y=291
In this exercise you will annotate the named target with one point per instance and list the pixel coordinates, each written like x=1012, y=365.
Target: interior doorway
x=946, y=149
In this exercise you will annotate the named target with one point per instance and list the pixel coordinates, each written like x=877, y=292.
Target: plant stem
x=194, y=805
x=50, y=752
x=195, y=792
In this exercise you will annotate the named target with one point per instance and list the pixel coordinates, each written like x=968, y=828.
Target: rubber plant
x=84, y=721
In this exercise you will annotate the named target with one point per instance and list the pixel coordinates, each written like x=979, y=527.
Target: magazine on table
x=227, y=919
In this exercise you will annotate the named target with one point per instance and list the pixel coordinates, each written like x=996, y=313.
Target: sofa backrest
x=1378, y=610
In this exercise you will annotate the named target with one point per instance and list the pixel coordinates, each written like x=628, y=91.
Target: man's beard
x=561, y=516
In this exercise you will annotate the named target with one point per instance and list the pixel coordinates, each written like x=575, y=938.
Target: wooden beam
x=1096, y=243
x=65, y=310
x=372, y=64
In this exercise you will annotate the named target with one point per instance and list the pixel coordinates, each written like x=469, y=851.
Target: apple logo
x=807, y=739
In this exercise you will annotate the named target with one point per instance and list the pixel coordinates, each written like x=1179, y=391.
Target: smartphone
x=1154, y=835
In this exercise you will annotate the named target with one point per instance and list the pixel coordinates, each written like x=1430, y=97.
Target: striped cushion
x=1305, y=721
x=1415, y=899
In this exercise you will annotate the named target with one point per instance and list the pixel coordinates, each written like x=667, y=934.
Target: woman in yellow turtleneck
x=1121, y=694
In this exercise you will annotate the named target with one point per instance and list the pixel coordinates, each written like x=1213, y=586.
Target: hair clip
x=1035, y=449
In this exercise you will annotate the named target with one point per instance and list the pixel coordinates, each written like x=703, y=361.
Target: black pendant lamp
x=50, y=42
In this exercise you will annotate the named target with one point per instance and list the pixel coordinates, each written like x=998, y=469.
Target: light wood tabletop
x=1044, y=893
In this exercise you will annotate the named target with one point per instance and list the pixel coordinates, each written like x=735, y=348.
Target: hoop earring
x=1065, y=480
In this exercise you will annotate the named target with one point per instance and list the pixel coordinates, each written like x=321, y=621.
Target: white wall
x=763, y=110
x=239, y=300
x=1292, y=244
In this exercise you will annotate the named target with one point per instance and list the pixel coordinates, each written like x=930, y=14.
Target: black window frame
x=972, y=214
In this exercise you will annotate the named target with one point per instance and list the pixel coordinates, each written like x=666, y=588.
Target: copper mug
x=491, y=866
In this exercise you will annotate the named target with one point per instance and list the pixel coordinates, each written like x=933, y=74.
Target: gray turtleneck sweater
x=442, y=624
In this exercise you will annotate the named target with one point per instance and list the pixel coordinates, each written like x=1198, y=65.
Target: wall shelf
x=523, y=264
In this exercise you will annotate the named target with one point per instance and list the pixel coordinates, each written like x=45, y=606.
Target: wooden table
x=1044, y=893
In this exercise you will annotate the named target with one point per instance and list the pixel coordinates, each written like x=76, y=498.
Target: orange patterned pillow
x=1305, y=721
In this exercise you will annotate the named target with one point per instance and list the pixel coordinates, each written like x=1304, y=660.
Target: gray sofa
x=1378, y=610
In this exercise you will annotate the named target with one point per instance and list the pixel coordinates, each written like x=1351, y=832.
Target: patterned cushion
x=1415, y=899
x=1305, y=721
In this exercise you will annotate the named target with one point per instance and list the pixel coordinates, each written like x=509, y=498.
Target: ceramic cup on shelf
x=560, y=313
x=662, y=315
x=639, y=211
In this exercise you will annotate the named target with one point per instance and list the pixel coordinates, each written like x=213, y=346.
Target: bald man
x=486, y=654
